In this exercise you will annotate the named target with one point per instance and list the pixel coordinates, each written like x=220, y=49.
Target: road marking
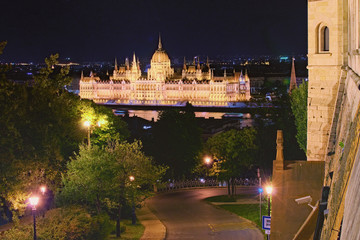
x=231, y=226
x=211, y=227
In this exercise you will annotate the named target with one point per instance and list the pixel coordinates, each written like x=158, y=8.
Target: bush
x=70, y=223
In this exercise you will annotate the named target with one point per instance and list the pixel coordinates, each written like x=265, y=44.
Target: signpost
x=266, y=223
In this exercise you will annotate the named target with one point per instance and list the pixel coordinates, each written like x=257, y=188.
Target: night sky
x=97, y=30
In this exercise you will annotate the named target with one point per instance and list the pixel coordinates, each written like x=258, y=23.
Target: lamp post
x=33, y=202
x=269, y=190
x=208, y=162
x=133, y=215
x=260, y=191
x=43, y=190
x=88, y=124
x=44, y=205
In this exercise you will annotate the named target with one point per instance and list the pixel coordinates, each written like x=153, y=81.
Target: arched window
x=322, y=38
x=325, y=35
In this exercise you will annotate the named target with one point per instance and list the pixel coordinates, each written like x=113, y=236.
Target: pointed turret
x=134, y=64
x=293, y=77
x=116, y=67
x=207, y=62
x=224, y=72
x=194, y=61
x=82, y=75
x=91, y=74
x=134, y=58
x=159, y=45
x=127, y=64
x=198, y=64
x=184, y=67
x=246, y=76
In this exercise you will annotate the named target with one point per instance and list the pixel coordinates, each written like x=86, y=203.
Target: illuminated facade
x=196, y=85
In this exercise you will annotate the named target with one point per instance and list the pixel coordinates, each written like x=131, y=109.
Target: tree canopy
x=176, y=142
x=41, y=127
x=107, y=178
x=299, y=108
x=233, y=152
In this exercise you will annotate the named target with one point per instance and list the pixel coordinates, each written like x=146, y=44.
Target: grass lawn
x=248, y=211
x=132, y=232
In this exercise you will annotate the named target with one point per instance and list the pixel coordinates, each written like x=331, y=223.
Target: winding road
x=186, y=216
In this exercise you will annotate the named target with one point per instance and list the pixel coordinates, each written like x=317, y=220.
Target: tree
x=176, y=142
x=104, y=125
x=99, y=178
x=234, y=152
x=40, y=129
x=299, y=109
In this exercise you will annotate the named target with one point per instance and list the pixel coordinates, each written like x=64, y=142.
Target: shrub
x=70, y=223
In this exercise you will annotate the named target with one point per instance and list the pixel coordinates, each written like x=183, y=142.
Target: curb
x=154, y=228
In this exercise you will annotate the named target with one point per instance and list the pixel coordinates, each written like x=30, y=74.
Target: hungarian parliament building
x=196, y=85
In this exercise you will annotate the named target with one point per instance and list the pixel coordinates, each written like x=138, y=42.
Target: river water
x=154, y=114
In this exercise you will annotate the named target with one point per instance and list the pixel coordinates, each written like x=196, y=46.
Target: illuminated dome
x=160, y=65
x=160, y=55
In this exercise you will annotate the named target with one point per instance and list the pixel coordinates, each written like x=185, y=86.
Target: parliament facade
x=196, y=85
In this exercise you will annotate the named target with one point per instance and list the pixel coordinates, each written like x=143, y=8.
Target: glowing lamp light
x=87, y=124
x=207, y=160
x=34, y=201
x=132, y=178
x=43, y=189
x=269, y=190
x=261, y=190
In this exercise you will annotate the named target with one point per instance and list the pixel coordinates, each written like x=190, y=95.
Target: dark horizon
x=100, y=31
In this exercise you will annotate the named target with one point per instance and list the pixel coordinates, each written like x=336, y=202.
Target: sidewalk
x=154, y=229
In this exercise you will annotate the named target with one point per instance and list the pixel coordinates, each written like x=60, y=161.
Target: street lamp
x=88, y=125
x=33, y=202
x=269, y=190
x=43, y=190
x=207, y=160
x=133, y=215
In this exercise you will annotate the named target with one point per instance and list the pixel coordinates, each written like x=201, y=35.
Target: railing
x=173, y=185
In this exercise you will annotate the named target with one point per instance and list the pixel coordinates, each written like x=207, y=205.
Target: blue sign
x=266, y=222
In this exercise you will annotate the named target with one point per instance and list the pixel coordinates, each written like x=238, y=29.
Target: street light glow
x=207, y=160
x=132, y=178
x=87, y=123
x=269, y=189
x=34, y=201
x=101, y=122
x=43, y=189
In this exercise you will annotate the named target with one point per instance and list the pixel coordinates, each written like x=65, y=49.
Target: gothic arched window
x=325, y=36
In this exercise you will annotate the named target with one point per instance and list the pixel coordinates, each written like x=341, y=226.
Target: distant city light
x=260, y=190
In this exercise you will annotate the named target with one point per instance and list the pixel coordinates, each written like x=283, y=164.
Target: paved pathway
x=186, y=216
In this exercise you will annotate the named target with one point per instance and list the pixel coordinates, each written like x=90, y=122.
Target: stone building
x=196, y=85
x=333, y=133
x=333, y=110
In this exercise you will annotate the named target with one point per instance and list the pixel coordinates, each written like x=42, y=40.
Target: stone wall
x=297, y=179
